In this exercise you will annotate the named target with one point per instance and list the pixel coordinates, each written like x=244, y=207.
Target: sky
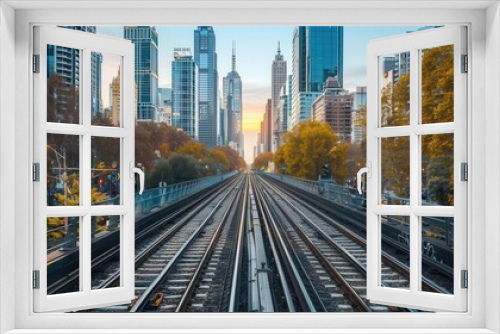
x=255, y=50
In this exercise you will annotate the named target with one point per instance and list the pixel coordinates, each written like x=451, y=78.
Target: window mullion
x=415, y=237
x=85, y=183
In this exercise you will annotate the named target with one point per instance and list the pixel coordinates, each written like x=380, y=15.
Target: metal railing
x=65, y=236
x=343, y=195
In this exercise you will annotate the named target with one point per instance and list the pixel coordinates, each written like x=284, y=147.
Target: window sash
x=413, y=298
x=86, y=297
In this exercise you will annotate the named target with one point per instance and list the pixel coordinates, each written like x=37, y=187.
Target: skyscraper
x=278, y=79
x=185, y=92
x=115, y=96
x=266, y=128
x=222, y=125
x=165, y=105
x=66, y=63
x=145, y=39
x=318, y=53
x=231, y=92
x=358, y=114
x=205, y=57
x=334, y=108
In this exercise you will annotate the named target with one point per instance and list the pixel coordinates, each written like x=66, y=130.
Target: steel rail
x=340, y=213
x=285, y=250
x=353, y=296
x=187, y=295
x=236, y=275
x=114, y=251
x=143, y=300
x=277, y=260
x=114, y=279
x=394, y=263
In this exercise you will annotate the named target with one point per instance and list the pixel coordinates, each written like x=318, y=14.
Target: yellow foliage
x=307, y=147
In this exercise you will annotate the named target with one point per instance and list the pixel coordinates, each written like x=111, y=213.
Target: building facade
x=266, y=131
x=283, y=112
x=165, y=105
x=333, y=107
x=358, y=114
x=185, y=92
x=318, y=53
x=289, y=102
x=145, y=39
x=115, y=99
x=278, y=80
x=232, y=100
x=304, y=103
x=205, y=57
x=66, y=63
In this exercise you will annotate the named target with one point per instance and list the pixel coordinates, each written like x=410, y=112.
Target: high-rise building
x=318, y=53
x=145, y=39
x=232, y=99
x=185, y=92
x=222, y=124
x=289, y=103
x=165, y=105
x=66, y=63
x=205, y=57
x=115, y=96
x=278, y=80
x=282, y=110
x=334, y=108
x=358, y=114
x=304, y=103
x=267, y=135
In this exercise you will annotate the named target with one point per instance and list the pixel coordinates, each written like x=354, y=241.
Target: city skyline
x=256, y=71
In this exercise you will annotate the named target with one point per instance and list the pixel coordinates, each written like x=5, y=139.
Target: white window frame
x=86, y=297
x=483, y=20
x=414, y=297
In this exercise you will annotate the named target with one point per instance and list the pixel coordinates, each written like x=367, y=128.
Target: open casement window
x=417, y=155
x=83, y=168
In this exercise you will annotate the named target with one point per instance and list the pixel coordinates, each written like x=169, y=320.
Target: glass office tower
x=145, y=39
x=184, y=92
x=66, y=63
x=318, y=53
x=205, y=57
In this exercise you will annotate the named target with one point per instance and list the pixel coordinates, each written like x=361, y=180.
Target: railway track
x=104, y=265
x=252, y=245
x=333, y=255
x=186, y=268
x=436, y=276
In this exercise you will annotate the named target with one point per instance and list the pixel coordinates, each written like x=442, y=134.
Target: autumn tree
x=262, y=160
x=307, y=147
x=437, y=107
x=194, y=149
x=437, y=87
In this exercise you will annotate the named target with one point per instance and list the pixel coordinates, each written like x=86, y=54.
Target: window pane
x=395, y=89
x=63, y=254
x=105, y=245
x=105, y=171
x=437, y=84
x=105, y=95
x=437, y=253
x=437, y=169
x=63, y=84
x=63, y=170
x=395, y=244
x=395, y=162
